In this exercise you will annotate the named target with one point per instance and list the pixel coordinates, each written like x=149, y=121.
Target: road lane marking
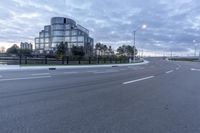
x=101, y=72
x=193, y=69
x=137, y=80
x=70, y=72
x=25, y=78
x=169, y=71
x=123, y=69
x=40, y=74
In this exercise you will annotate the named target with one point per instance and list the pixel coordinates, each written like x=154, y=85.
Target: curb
x=17, y=67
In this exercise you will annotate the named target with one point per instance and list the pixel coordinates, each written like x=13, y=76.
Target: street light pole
x=134, y=32
x=134, y=47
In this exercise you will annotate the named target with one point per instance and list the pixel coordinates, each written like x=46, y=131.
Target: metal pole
x=171, y=54
x=134, y=48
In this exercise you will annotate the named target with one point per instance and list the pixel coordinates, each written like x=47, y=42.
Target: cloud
x=172, y=24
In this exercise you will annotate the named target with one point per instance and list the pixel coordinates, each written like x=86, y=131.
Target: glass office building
x=63, y=30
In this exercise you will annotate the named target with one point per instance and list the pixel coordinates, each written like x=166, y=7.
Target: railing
x=64, y=61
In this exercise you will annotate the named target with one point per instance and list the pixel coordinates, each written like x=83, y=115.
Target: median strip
x=25, y=78
x=137, y=80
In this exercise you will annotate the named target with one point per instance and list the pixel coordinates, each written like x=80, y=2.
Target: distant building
x=63, y=30
x=2, y=49
x=26, y=45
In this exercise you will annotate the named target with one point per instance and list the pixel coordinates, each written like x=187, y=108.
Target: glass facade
x=62, y=30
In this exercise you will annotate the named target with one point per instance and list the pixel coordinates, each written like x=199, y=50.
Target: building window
x=58, y=27
x=41, y=40
x=41, y=45
x=81, y=44
x=57, y=39
x=67, y=27
x=37, y=40
x=74, y=39
x=54, y=44
x=58, y=33
x=47, y=28
x=67, y=33
x=70, y=45
x=80, y=39
x=47, y=34
x=37, y=46
x=64, y=20
x=74, y=32
x=67, y=39
x=41, y=34
x=47, y=40
x=57, y=21
x=47, y=45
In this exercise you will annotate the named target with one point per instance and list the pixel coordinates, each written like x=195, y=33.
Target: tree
x=101, y=49
x=120, y=50
x=78, y=51
x=127, y=50
x=111, y=52
x=62, y=50
x=26, y=52
x=98, y=48
x=104, y=48
x=13, y=50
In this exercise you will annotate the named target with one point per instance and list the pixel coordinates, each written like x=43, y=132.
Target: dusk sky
x=172, y=24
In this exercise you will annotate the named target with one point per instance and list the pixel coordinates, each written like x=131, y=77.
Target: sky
x=172, y=25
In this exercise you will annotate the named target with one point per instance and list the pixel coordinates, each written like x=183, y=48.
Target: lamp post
x=134, y=32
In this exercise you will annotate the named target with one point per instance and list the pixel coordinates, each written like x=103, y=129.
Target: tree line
x=99, y=50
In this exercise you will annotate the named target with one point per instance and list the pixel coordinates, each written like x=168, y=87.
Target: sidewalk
x=18, y=67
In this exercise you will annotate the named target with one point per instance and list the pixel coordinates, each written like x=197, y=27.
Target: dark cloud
x=172, y=24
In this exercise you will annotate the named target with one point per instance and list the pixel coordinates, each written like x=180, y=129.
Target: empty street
x=162, y=96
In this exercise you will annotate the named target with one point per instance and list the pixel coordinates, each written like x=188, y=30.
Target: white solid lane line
x=193, y=69
x=25, y=78
x=137, y=80
x=40, y=74
x=70, y=72
x=109, y=71
x=169, y=71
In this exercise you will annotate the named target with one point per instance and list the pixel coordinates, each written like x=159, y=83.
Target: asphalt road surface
x=159, y=97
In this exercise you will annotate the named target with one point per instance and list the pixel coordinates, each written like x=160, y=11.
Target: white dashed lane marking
x=137, y=80
x=169, y=71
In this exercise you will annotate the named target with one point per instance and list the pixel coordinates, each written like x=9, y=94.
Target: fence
x=65, y=61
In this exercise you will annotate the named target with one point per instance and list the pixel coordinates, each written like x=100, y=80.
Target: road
x=159, y=97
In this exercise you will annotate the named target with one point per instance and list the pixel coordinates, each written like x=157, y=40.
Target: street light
x=195, y=48
x=138, y=28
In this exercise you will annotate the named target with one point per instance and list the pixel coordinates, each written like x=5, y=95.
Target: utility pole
x=171, y=54
x=134, y=32
x=134, y=48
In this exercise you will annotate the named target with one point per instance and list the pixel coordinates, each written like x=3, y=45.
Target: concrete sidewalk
x=18, y=67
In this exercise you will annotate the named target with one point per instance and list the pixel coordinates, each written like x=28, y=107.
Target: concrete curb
x=17, y=67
